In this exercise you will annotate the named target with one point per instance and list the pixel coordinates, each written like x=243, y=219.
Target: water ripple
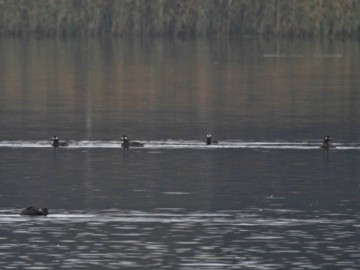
x=176, y=239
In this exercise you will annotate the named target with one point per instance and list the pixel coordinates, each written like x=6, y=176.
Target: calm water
x=266, y=197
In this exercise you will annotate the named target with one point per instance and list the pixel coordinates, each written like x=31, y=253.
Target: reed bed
x=181, y=18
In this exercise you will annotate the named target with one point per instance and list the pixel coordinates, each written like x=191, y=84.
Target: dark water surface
x=266, y=197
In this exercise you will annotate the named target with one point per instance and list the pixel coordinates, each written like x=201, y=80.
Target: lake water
x=265, y=197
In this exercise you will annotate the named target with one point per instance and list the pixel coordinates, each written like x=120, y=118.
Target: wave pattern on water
x=176, y=239
x=183, y=144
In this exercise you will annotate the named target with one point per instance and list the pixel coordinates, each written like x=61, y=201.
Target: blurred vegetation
x=187, y=18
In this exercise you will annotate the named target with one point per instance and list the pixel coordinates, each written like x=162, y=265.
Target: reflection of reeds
x=290, y=18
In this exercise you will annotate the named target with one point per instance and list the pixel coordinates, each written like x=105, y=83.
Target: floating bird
x=32, y=211
x=326, y=143
x=126, y=142
x=209, y=140
x=55, y=142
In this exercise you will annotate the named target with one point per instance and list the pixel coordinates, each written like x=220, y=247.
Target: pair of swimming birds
x=55, y=142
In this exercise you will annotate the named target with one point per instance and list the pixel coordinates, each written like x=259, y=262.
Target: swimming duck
x=32, y=211
x=209, y=140
x=126, y=142
x=55, y=142
x=326, y=143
